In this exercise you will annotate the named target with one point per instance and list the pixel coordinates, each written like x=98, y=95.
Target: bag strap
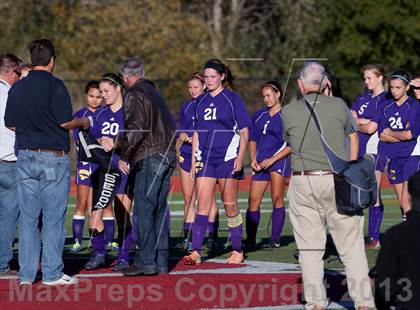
x=336, y=163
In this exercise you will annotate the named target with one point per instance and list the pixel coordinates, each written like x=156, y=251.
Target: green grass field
x=283, y=254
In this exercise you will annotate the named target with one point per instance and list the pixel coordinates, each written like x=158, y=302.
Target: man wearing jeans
x=39, y=110
x=311, y=193
x=147, y=147
x=9, y=74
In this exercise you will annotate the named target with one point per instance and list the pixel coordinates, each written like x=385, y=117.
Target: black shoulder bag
x=354, y=181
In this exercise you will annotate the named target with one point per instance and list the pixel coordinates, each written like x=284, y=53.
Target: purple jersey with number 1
x=369, y=107
x=400, y=118
x=267, y=132
x=218, y=121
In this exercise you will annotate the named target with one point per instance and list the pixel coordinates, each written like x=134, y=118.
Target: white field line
x=265, y=201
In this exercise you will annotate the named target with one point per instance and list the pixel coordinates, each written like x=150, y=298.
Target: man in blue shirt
x=39, y=110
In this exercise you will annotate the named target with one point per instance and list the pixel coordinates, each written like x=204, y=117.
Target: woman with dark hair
x=415, y=87
x=399, y=128
x=84, y=169
x=108, y=122
x=366, y=110
x=219, y=143
x=196, y=87
x=332, y=86
x=269, y=161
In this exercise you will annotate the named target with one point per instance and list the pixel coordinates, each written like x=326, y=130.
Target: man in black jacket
x=398, y=267
x=147, y=147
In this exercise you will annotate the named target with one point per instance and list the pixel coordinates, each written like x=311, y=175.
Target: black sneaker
x=372, y=244
x=270, y=245
x=97, y=261
x=210, y=245
x=185, y=245
x=248, y=246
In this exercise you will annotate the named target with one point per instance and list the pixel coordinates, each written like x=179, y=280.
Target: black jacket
x=398, y=266
x=149, y=125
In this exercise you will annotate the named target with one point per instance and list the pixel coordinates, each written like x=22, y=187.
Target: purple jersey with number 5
x=400, y=118
x=218, y=121
x=267, y=132
x=369, y=107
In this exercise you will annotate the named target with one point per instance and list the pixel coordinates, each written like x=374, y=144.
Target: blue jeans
x=43, y=184
x=150, y=193
x=8, y=212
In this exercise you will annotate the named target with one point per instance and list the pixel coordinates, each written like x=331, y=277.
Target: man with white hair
x=312, y=207
x=147, y=149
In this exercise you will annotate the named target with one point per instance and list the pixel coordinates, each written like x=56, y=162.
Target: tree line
x=256, y=38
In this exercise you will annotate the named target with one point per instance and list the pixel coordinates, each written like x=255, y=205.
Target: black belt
x=7, y=161
x=313, y=172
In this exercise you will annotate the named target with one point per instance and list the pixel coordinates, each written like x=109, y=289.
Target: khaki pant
x=312, y=210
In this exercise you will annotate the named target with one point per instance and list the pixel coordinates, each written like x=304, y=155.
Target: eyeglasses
x=18, y=73
x=415, y=87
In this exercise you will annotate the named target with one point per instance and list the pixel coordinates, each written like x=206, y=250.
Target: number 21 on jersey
x=210, y=114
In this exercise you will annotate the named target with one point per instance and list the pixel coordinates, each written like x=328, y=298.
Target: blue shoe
x=97, y=261
x=120, y=265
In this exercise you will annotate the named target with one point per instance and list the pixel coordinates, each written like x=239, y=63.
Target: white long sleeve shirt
x=7, y=136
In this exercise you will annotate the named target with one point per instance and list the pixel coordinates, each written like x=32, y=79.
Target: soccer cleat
x=76, y=247
x=270, y=245
x=64, y=280
x=119, y=265
x=97, y=261
x=248, y=246
x=210, y=245
x=112, y=246
x=372, y=244
x=192, y=259
x=235, y=258
x=184, y=245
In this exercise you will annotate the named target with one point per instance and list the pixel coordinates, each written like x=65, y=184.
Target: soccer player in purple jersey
x=413, y=163
x=415, y=86
x=108, y=122
x=366, y=110
x=399, y=128
x=196, y=87
x=219, y=144
x=269, y=161
x=84, y=169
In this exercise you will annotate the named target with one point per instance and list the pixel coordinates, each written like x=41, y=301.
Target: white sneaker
x=64, y=280
x=25, y=283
